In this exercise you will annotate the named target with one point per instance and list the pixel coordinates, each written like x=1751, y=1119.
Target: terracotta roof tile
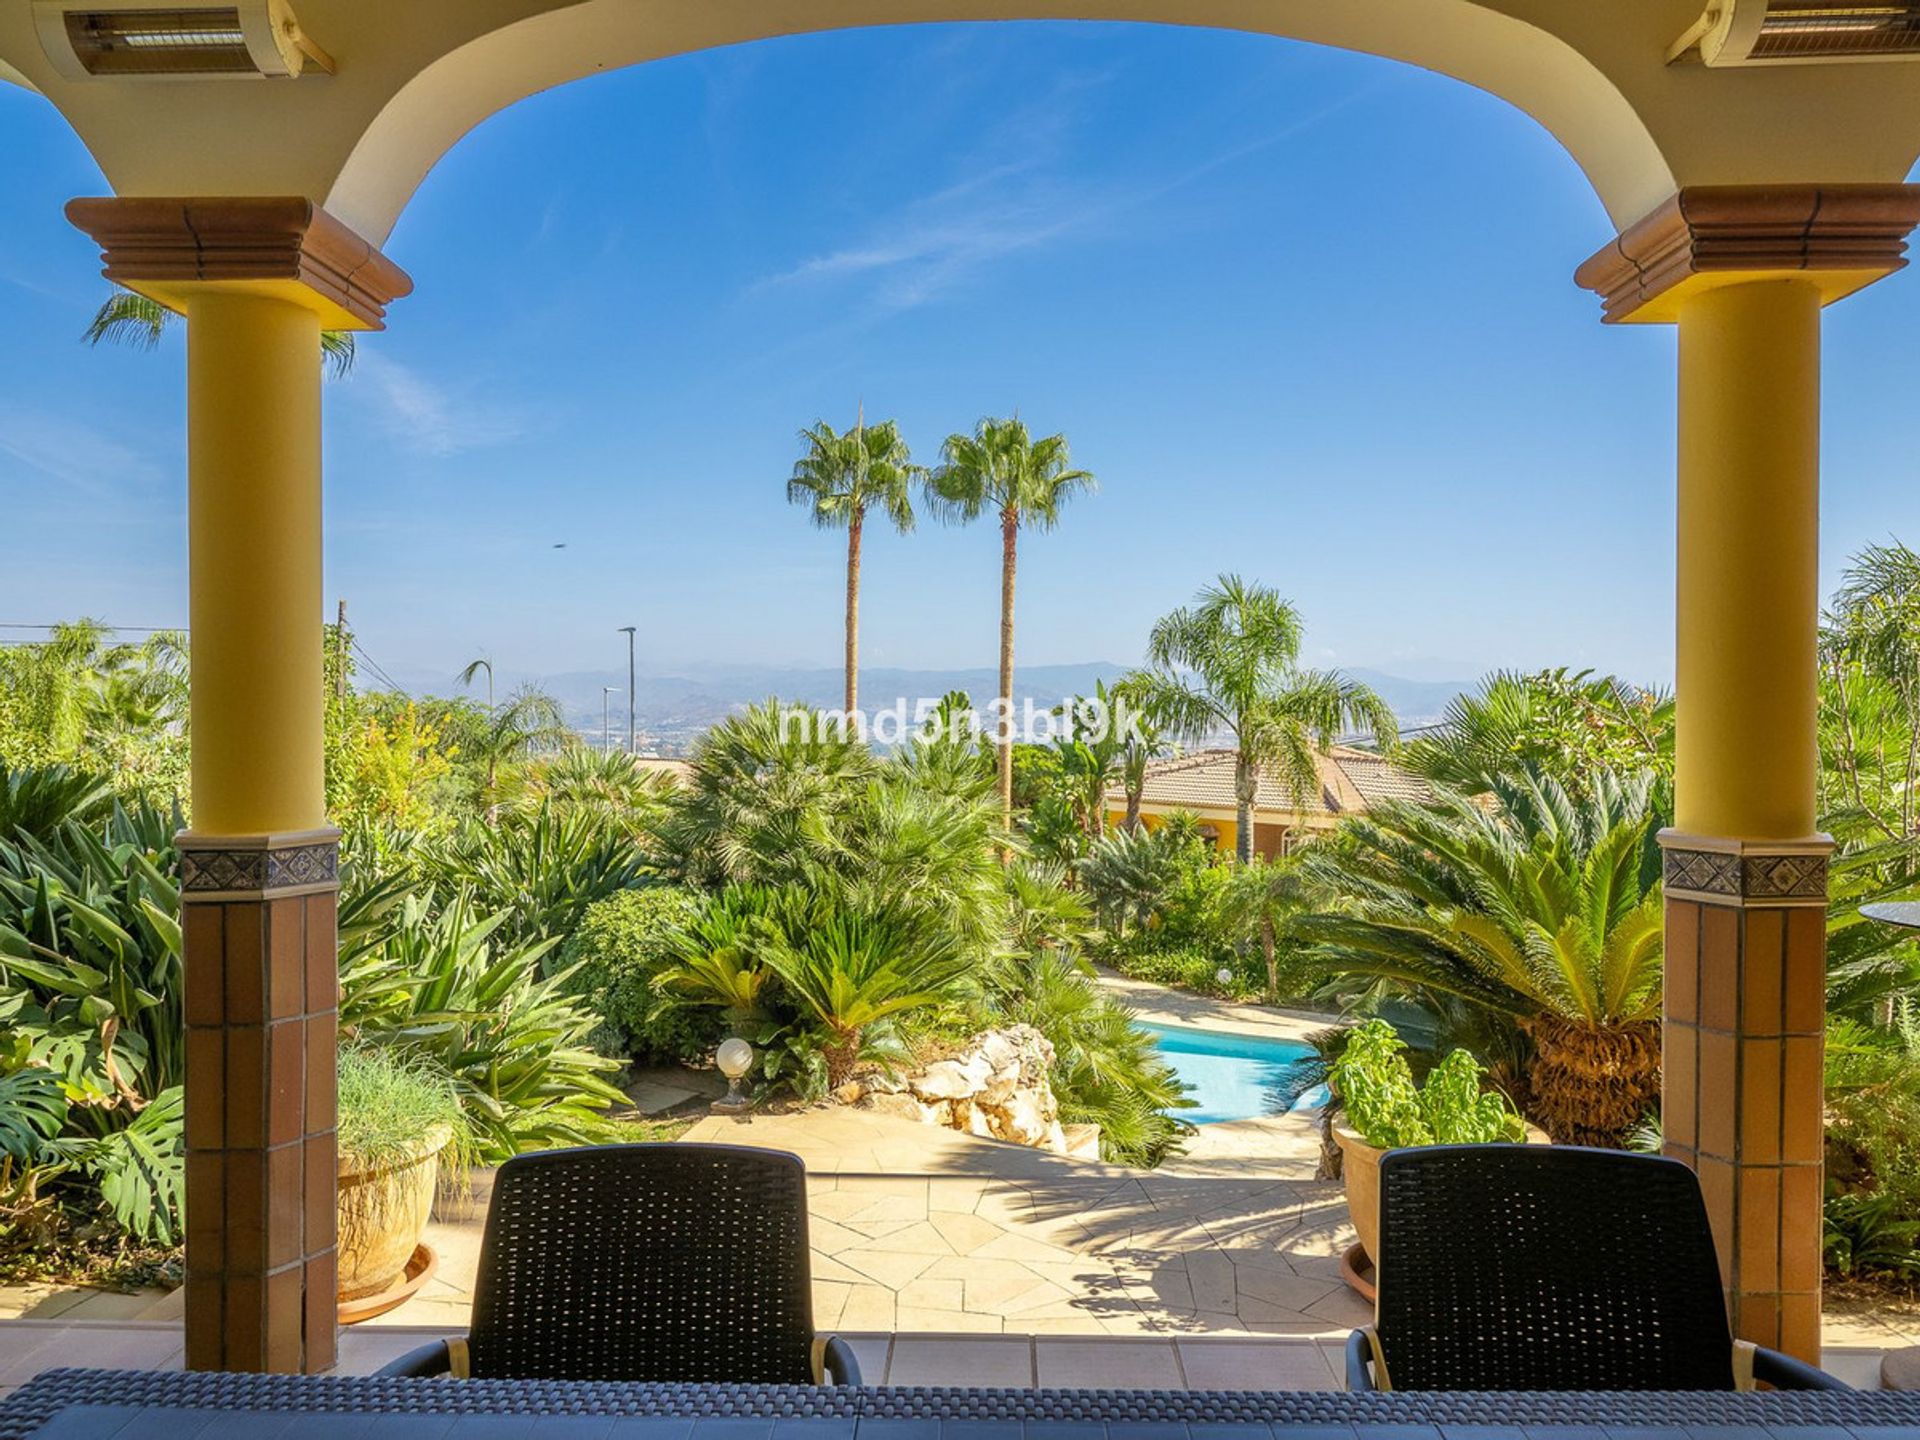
x=1351, y=782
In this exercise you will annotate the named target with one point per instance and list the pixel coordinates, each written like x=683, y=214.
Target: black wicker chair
x=667, y=1262
x=1551, y=1267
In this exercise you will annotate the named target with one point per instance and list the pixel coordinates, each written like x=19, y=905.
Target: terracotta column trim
x=260, y=1006
x=1779, y=874
x=151, y=243
x=1843, y=236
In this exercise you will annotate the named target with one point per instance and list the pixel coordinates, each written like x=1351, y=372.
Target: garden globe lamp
x=735, y=1058
x=1224, y=976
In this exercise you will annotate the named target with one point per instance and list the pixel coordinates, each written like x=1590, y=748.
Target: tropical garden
x=524, y=916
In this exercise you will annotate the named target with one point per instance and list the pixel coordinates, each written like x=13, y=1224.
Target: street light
x=606, y=726
x=627, y=630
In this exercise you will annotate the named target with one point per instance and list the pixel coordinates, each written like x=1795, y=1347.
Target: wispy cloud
x=429, y=417
x=931, y=252
x=73, y=453
x=1010, y=197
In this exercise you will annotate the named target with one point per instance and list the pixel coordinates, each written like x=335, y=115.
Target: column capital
x=270, y=244
x=1841, y=237
x=1717, y=870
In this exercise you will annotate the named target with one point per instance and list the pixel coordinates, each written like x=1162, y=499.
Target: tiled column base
x=1742, y=1058
x=262, y=988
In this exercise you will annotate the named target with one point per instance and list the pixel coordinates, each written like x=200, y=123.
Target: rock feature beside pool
x=996, y=1088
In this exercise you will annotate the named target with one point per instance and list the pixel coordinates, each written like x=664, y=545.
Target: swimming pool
x=1233, y=1077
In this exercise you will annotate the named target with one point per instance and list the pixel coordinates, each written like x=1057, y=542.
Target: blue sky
x=1306, y=315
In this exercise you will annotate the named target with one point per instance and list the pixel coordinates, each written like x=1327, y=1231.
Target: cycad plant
x=853, y=971
x=1538, y=913
x=718, y=959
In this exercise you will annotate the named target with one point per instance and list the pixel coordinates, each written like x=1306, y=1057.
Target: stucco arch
x=1537, y=71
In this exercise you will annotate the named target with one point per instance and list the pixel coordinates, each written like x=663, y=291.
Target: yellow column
x=253, y=505
x=1744, y=270
x=257, y=277
x=1748, y=583
x=1745, y=873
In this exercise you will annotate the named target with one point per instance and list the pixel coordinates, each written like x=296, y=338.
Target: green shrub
x=1106, y=1069
x=436, y=982
x=616, y=957
x=1185, y=964
x=1869, y=1234
x=91, y=1040
x=1376, y=1086
x=539, y=871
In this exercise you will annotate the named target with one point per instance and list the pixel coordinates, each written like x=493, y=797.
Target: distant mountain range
x=672, y=710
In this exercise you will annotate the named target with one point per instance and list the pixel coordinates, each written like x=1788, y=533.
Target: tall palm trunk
x=1133, y=807
x=853, y=612
x=1009, y=541
x=1246, y=784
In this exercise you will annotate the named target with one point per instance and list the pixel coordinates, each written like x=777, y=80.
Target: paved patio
x=1220, y=1268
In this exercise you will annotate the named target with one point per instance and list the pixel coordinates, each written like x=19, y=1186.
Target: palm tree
x=767, y=785
x=1265, y=898
x=1003, y=469
x=1088, y=765
x=529, y=716
x=125, y=318
x=838, y=478
x=1230, y=665
x=1143, y=742
x=1533, y=924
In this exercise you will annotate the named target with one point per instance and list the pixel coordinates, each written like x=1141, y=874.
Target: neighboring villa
x=1201, y=782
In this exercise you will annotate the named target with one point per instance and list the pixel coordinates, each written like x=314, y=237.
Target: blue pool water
x=1232, y=1077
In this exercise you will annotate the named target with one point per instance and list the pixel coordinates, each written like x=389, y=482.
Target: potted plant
x=1385, y=1110
x=397, y=1120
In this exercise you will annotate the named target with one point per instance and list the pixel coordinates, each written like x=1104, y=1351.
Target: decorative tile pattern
x=259, y=871
x=1712, y=872
x=1744, y=875
x=1776, y=877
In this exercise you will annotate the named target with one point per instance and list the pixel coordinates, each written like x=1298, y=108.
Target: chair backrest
x=665, y=1262
x=1547, y=1267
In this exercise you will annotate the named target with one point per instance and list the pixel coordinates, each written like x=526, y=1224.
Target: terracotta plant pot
x=1360, y=1165
x=383, y=1210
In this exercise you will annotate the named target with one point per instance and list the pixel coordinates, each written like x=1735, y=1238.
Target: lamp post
x=627, y=630
x=606, y=725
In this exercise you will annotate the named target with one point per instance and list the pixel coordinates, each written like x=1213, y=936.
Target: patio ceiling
x=411, y=79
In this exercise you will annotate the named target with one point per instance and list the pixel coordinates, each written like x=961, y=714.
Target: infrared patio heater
x=1800, y=32
x=147, y=40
